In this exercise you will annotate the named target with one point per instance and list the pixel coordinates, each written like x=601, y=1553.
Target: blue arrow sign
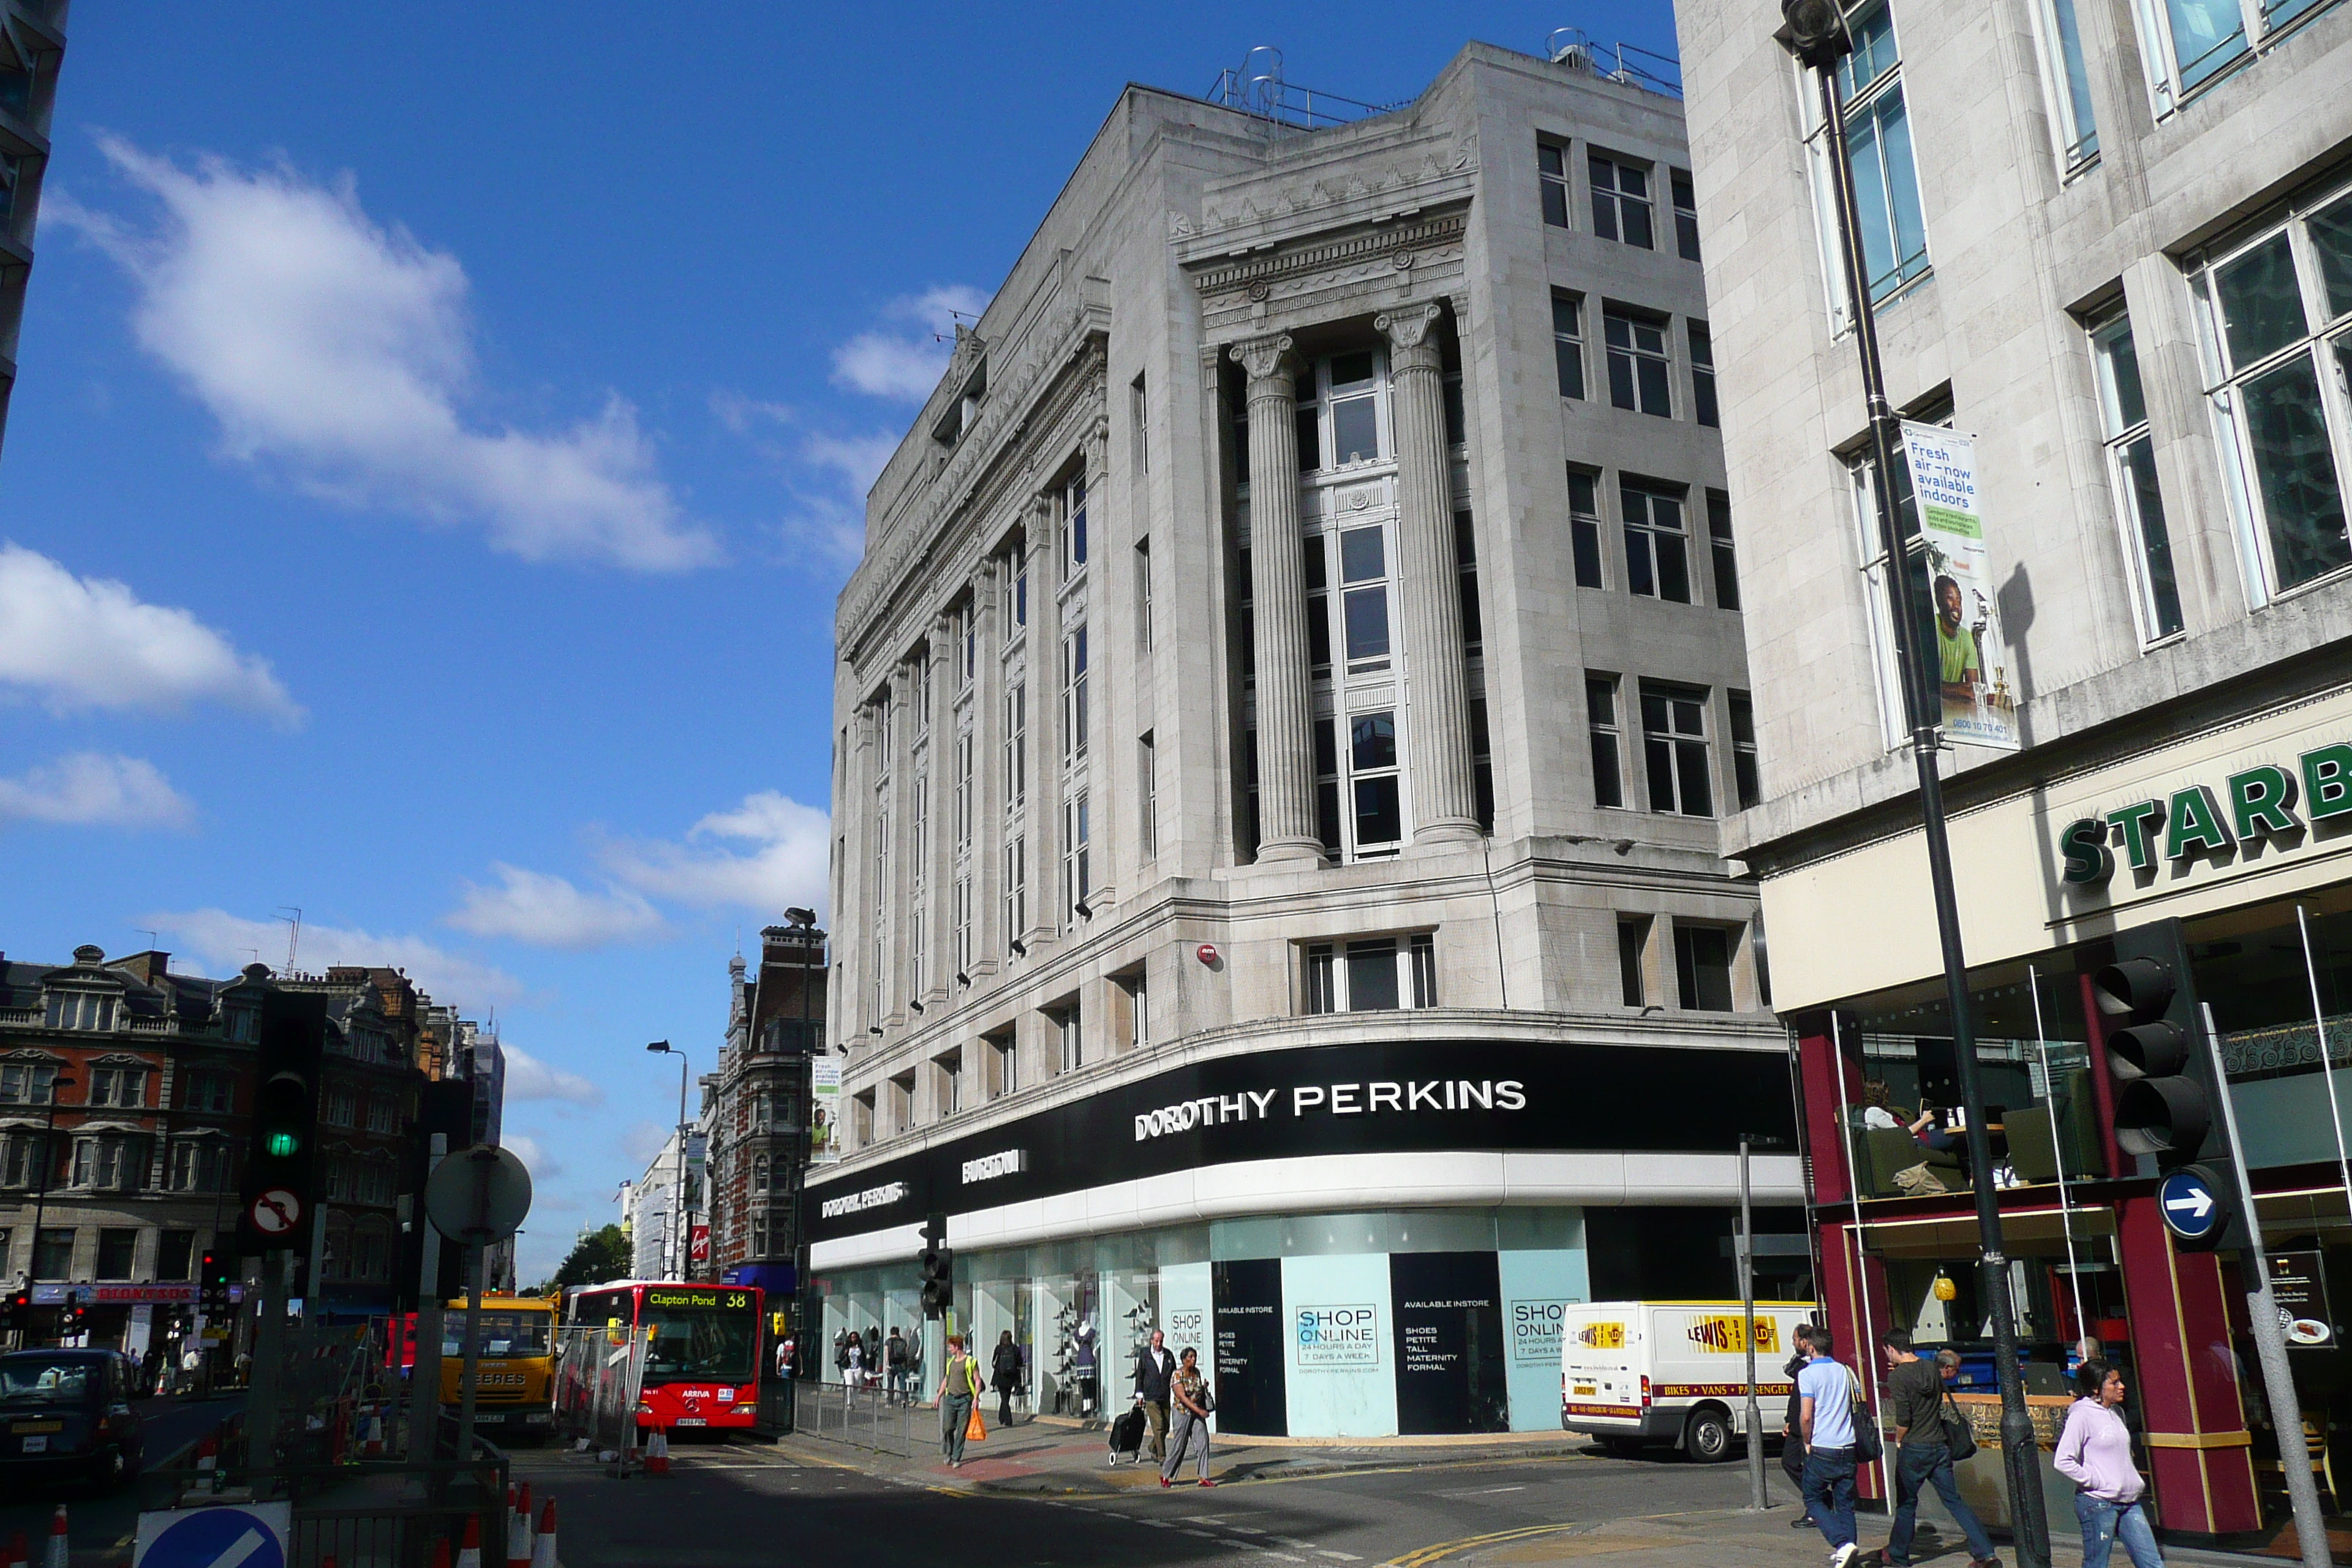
x=2187, y=1201
x=227, y=1536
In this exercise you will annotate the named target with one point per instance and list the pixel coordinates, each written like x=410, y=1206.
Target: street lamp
x=678, y=1204
x=48, y=1166
x=1816, y=35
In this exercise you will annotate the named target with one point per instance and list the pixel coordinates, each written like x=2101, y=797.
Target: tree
x=596, y=1257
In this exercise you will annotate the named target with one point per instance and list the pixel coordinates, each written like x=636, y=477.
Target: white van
x=1632, y=1373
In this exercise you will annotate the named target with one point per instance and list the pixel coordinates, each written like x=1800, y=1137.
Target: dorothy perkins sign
x=2212, y=821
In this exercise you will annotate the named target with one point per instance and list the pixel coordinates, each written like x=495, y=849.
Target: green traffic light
x=281, y=1146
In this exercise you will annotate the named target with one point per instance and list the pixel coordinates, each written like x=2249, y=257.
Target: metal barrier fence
x=363, y=1515
x=867, y=1419
x=600, y=1377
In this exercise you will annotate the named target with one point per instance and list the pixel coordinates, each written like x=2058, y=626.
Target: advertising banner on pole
x=824, y=1101
x=1967, y=652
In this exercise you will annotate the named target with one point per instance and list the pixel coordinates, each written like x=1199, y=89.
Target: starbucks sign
x=2215, y=822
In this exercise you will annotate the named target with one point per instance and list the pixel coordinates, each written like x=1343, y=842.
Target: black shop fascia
x=1381, y=1097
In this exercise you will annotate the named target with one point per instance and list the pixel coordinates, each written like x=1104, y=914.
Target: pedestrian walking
x=959, y=1391
x=1153, y=1367
x=895, y=1363
x=1792, y=1436
x=1825, y=1419
x=2095, y=1453
x=1187, y=1427
x=1923, y=1454
x=1004, y=1375
x=852, y=1370
x=873, y=1356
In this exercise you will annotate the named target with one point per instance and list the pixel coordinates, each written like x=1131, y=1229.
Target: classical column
x=947, y=665
x=1285, y=754
x=1437, y=694
x=987, y=861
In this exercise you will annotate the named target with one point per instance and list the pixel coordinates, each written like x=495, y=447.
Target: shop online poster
x=1965, y=645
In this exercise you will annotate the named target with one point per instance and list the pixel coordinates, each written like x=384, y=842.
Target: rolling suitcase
x=1127, y=1436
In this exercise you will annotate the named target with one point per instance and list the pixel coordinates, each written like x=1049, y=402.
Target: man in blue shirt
x=1825, y=1414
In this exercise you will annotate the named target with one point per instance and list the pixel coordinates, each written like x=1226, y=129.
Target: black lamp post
x=1817, y=35
x=48, y=1169
x=679, y=1243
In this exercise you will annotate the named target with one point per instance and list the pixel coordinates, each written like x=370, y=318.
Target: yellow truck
x=514, y=1391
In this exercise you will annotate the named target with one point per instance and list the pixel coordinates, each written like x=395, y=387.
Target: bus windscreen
x=700, y=1343
x=504, y=1334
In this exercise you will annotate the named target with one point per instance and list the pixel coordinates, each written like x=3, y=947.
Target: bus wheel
x=1707, y=1439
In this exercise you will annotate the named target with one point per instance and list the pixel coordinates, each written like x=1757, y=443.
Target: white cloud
x=858, y=459
x=87, y=789
x=91, y=642
x=784, y=863
x=742, y=413
x=528, y=1078
x=338, y=351
x=905, y=365
x=640, y=1143
x=228, y=943
x=548, y=911
x=543, y=1166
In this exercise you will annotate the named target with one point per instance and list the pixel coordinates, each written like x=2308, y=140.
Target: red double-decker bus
x=702, y=1361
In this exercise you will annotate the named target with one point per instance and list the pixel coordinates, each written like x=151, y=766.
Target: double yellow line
x=1445, y=1548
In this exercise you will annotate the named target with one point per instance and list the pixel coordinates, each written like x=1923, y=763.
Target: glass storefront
x=1420, y=1321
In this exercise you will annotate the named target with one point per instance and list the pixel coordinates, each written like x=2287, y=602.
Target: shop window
x=1376, y=974
x=1703, y=968
x=2277, y=318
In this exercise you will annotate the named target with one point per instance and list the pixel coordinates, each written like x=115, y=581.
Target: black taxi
x=66, y=1414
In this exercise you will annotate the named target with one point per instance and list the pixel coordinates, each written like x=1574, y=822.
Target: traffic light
x=2168, y=1099
x=211, y=1285
x=17, y=1310
x=279, y=1160
x=938, y=1268
x=74, y=1319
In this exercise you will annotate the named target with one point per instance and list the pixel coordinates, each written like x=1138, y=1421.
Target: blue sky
x=440, y=437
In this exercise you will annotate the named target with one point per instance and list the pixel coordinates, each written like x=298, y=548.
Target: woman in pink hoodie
x=2095, y=1453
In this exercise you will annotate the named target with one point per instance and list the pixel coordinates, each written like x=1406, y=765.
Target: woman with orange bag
x=959, y=1396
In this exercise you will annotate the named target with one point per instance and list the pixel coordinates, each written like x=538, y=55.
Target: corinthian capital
x=1267, y=362
x=1407, y=329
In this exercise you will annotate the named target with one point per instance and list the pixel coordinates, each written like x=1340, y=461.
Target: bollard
x=61, y=1550
x=542, y=1547
x=469, y=1551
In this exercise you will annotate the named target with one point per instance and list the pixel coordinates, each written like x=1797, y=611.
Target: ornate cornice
x=1398, y=243
x=1254, y=206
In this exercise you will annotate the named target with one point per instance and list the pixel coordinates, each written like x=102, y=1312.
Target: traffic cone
x=519, y=1539
x=19, y=1554
x=658, y=1452
x=469, y=1551
x=441, y=1552
x=61, y=1550
x=542, y=1546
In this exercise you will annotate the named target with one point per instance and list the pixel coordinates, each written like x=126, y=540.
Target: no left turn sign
x=276, y=1212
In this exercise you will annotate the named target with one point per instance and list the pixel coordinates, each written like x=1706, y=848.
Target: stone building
x=1283, y=720
x=757, y=1108
x=139, y=1083
x=2110, y=244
